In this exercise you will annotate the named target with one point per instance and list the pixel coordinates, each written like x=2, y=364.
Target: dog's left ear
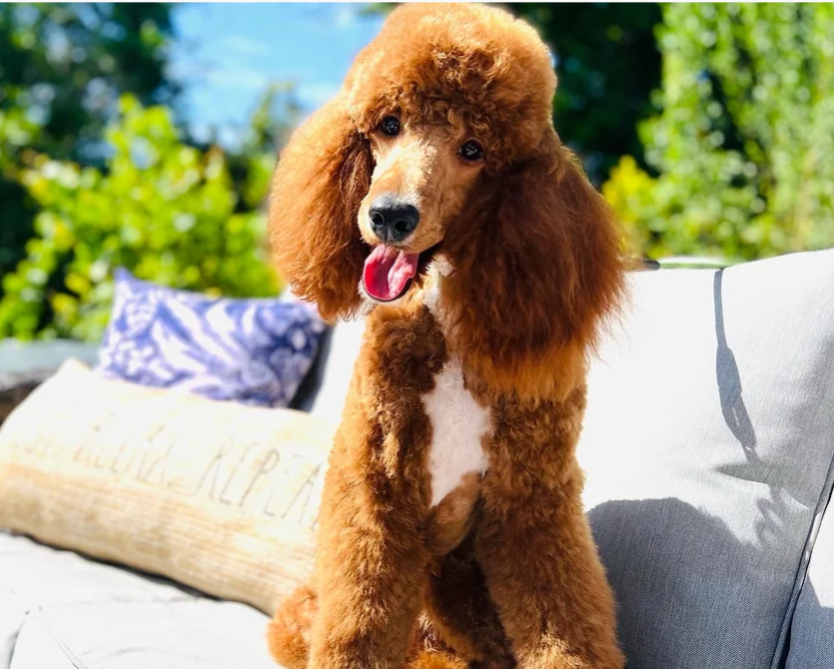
x=537, y=267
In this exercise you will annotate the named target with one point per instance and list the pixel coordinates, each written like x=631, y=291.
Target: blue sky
x=226, y=54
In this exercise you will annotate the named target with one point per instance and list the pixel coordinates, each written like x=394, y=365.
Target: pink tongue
x=387, y=272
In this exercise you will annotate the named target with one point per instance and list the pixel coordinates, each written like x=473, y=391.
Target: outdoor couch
x=708, y=448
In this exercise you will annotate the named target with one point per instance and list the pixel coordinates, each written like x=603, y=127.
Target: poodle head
x=440, y=146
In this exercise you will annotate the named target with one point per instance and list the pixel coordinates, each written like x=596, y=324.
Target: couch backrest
x=708, y=448
x=326, y=385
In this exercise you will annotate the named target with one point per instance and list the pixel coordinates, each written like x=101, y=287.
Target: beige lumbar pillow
x=215, y=495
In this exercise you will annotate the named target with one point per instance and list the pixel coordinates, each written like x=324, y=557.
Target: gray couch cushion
x=199, y=634
x=707, y=446
x=60, y=610
x=33, y=577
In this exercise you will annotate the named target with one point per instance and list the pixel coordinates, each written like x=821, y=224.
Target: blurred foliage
x=62, y=68
x=608, y=64
x=744, y=147
x=252, y=163
x=167, y=211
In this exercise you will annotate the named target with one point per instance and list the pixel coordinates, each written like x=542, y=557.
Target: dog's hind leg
x=289, y=637
x=289, y=630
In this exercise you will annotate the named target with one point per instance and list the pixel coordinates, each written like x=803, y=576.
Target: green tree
x=62, y=68
x=744, y=146
x=252, y=163
x=165, y=210
x=608, y=64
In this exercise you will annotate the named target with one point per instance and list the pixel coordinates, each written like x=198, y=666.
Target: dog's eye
x=390, y=126
x=471, y=150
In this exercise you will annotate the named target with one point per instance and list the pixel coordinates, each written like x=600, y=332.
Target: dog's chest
x=459, y=424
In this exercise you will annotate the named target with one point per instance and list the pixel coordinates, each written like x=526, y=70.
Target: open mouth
x=389, y=272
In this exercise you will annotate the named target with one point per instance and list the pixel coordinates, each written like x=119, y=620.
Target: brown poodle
x=434, y=194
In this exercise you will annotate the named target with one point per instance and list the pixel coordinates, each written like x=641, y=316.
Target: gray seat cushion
x=708, y=443
x=199, y=634
x=59, y=609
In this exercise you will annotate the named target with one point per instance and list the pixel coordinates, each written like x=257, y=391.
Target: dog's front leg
x=543, y=572
x=371, y=561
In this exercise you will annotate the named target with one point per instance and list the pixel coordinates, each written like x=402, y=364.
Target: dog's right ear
x=323, y=175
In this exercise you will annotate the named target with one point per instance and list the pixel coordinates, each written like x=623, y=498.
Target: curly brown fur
x=524, y=267
x=289, y=631
x=322, y=176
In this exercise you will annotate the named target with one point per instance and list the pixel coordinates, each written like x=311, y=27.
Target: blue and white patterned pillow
x=254, y=351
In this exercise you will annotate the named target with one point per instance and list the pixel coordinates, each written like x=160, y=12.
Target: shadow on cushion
x=645, y=546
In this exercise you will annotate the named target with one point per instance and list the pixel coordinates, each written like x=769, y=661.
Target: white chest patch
x=458, y=423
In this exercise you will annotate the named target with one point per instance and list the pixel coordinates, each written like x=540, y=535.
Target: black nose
x=393, y=220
